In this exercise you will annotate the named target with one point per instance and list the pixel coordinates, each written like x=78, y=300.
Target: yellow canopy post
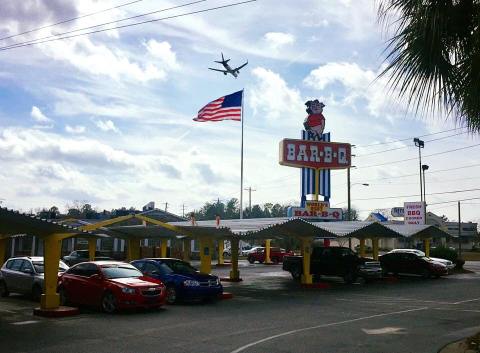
x=205, y=255
x=234, y=273
x=133, y=249
x=92, y=247
x=220, y=252
x=426, y=244
x=52, y=245
x=362, y=247
x=375, y=248
x=267, y=251
x=163, y=248
x=306, y=244
x=186, y=249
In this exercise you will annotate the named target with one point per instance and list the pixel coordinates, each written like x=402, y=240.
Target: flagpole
x=241, y=169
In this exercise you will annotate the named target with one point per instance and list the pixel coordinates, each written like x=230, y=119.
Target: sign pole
x=241, y=169
x=317, y=183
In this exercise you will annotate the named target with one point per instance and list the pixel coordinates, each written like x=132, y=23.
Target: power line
x=408, y=146
x=409, y=138
x=34, y=41
x=452, y=201
x=415, y=158
x=416, y=195
x=70, y=20
x=128, y=25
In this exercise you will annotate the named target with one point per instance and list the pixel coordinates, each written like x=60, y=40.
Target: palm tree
x=433, y=56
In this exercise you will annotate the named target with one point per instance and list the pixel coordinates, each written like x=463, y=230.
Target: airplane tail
x=223, y=60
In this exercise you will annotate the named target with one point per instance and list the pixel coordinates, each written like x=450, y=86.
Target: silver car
x=24, y=275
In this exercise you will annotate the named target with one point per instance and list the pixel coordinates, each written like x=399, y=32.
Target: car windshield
x=181, y=267
x=122, y=271
x=40, y=267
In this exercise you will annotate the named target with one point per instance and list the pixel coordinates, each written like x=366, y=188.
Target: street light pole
x=420, y=144
x=349, y=204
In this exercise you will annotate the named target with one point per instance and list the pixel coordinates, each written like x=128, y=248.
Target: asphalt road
x=269, y=313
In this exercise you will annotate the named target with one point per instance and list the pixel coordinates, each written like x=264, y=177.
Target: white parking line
x=323, y=325
x=466, y=301
x=25, y=322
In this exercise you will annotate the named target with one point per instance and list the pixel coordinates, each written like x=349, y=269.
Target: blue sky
x=107, y=118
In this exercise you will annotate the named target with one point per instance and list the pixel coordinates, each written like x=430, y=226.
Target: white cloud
x=272, y=97
x=163, y=52
x=357, y=84
x=39, y=117
x=107, y=125
x=277, y=40
x=77, y=129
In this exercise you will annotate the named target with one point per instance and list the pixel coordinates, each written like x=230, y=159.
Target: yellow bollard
x=52, y=245
x=205, y=255
x=426, y=244
x=375, y=248
x=92, y=247
x=234, y=273
x=267, y=251
x=186, y=249
x=307, y=278
x=3, y=250
x=220, y=252
x=163, y=248
x=362, y=247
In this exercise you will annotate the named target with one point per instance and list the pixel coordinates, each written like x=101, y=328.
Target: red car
x=111, y=285
x=276, y=255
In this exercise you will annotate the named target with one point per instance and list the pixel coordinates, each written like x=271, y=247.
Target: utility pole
x=249, y=189
x=183, y=210
x=166, y=206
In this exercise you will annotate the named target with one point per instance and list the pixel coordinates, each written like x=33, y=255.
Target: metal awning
x=418, y=231
x=14, y=223
x=359, y=230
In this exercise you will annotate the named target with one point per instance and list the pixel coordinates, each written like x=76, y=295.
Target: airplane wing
x=238, y=68
x=217, y=70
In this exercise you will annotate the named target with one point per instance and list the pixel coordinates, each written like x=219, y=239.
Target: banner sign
x=315, y=154
x=329, y=214
x=414, y=212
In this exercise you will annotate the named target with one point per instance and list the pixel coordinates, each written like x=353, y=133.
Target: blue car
x=183, y=281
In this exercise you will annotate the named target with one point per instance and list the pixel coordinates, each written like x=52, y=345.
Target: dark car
x=335, y=261
x=78, y=256
x=111, y=285
x=411, y=263
x=183, y=281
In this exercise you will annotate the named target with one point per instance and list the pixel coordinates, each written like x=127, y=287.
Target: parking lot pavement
x=269, y=313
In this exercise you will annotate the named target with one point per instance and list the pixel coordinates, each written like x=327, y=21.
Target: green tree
x=433, y=55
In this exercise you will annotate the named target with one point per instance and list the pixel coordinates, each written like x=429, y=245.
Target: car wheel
x=251, y=259
x=109, y=303
x=296, y=274
x=350, y=278
x=225, y=254
x=36, y=293
x=171, y=295
x=4, y=290
x=275, y=260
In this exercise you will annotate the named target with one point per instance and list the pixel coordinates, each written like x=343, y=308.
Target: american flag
x=228, y=107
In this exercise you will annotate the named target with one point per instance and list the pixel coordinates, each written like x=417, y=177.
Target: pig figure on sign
x=315, y=120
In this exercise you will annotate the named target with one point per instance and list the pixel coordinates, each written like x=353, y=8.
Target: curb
x=320, y=285
x=228, y=279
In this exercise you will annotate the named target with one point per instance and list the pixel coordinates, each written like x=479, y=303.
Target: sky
x=106, y=118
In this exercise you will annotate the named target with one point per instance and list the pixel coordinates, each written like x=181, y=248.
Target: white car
x=449, y=264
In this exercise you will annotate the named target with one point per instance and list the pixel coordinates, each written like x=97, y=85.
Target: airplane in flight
x=228, y=69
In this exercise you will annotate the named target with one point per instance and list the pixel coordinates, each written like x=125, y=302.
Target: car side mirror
x=28, y=270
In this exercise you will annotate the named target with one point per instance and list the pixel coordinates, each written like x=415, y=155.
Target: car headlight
x=191, y=283
x=128, y=290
